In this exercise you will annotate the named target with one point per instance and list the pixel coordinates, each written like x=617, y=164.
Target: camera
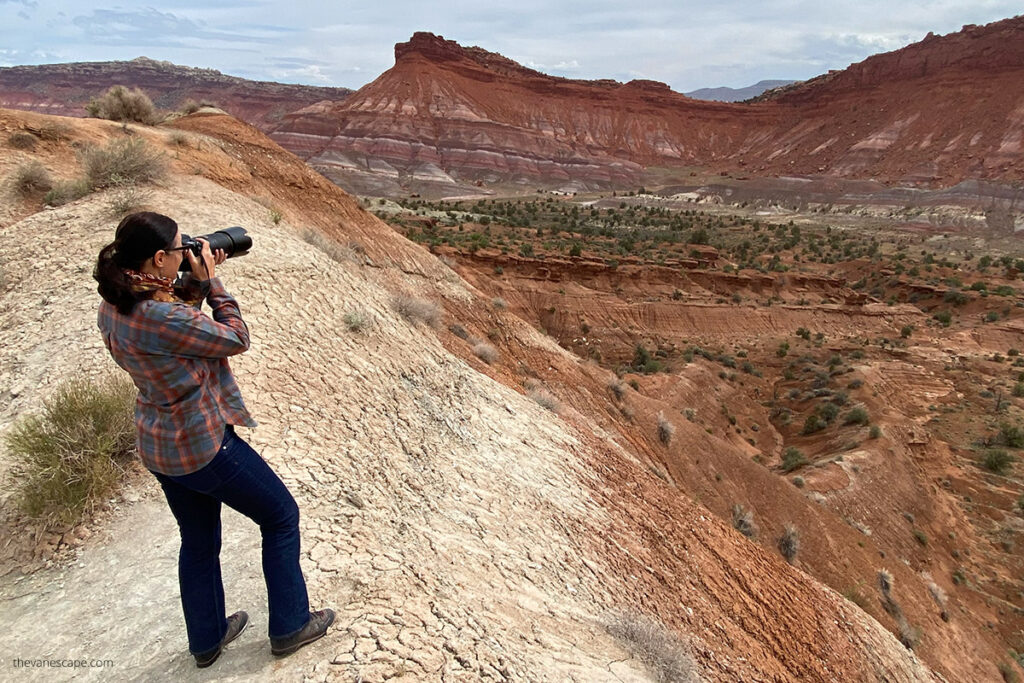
x=234, y=241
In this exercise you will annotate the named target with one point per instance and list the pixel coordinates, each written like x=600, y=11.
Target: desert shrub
x=1018, y=389
x=32, y=178
x=789, y=543
x=128, y=199
x=69, y=458
x=906, y=331
x=857, y=416
x=938, y=595
x=665, y=429
x=812, y=424
x=121, y=104
x=22, y=139
x=416, y=310
x=743, y=521
x=799, y=482
x=792, y=458
x=499, y=303
x=667, y=657
x=955, y=297
x=64, y=192
x=178, y=138
x=356, y=321
x=921, y=537
x=53, y=131
x=190, y=106
x=545, y=399
x=459, y=331
x=617, y=387
x=997, y=460
x=944, y=317
x=876, y=431
x=828, y=412
x=338, y=252
x=122, y=161
x=485, y=352
x=1011, y=435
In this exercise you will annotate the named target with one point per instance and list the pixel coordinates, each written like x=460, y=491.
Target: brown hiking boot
x=236, y=624
x=314, y=629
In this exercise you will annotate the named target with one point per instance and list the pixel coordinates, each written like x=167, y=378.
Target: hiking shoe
x=314, y=629
x=236, y=624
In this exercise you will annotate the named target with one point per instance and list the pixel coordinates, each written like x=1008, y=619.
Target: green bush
x=944, y=317
x=812, y=424
x=997, y=460
x=876, y=431
x=72, y=455
x=857, y=416
x=1011, y=435
x=121, y=104
x=122, y=161
x=792, y=458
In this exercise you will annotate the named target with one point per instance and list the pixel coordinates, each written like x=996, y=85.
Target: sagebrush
x=72, y=455
x=119, y=103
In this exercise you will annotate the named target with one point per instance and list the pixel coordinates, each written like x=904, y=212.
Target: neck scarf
x=162, y=288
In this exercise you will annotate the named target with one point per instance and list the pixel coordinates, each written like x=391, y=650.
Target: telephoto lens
x=234, y=241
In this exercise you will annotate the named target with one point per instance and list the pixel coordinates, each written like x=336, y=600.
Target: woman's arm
x=189, y=332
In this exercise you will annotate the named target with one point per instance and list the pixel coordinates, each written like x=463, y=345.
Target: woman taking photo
x=188, y=401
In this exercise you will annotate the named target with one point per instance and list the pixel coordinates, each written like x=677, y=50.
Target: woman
x=188, y=401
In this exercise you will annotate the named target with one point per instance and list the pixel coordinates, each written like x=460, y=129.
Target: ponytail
x=138, y=237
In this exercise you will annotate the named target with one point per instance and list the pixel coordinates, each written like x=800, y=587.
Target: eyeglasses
x=177, y=248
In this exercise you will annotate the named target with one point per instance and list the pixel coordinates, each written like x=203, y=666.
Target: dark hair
x=137, y=238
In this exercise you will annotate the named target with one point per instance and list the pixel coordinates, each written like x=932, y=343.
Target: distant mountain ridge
x=725, y=94
x=934, y=113
x=64, y=89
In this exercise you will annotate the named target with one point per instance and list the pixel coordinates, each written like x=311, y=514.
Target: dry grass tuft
x=664, y=653
x=485, y=352
x=69, y=191
x=121, y=104
x=21, y=139
x=122, y=161
x=338, y=252
x=72, y=456
x=356, y=321
x=617, y=387
x=743, y=521
x=32, y=178
x=416, y=310
x=128, y=199
x=789, y=543
x=666, y=430
x=543, y=397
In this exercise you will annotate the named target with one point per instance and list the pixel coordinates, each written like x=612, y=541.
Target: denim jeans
x=240, y=478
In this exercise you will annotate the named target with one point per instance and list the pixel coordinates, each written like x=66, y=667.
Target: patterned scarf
x=163, y=288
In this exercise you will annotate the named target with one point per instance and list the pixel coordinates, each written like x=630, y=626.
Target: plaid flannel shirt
x=177, y=357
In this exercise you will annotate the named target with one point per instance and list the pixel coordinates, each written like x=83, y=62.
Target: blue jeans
x=240, y=478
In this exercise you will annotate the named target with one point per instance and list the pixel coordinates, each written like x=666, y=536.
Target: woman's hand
x=210, y=260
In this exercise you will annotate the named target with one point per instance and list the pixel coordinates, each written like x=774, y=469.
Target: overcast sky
x=684, y=43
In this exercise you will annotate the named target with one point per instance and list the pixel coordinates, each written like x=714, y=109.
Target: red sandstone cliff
x=64, y=89
x=936, y=112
